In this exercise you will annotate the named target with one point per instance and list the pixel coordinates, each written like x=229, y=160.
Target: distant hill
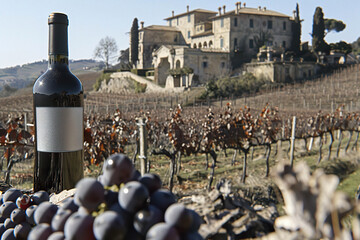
x=22, y=76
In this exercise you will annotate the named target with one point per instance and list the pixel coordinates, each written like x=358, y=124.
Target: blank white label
x=59, y=129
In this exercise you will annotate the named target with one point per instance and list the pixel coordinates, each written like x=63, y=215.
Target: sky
x=24, y=29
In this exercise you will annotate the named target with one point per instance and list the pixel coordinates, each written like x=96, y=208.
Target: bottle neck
x=58, y=41
x=58, y=60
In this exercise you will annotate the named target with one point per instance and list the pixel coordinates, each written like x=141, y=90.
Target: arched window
x=205, y=45
x=210, y=44
x=177, y=65
x=194, y=46
x=200, y=46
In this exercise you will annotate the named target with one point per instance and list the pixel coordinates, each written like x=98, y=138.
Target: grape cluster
x=120, y=204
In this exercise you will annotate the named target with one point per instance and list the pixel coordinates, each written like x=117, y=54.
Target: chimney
x=142, y=24
x=244, y=5
x=187, y=8
x=259, y=8
x=237, y=8
x=224, y=8
x=173, y=13
x=294, y=14
x=264, y=9
x=219, y=11
x=239, y=5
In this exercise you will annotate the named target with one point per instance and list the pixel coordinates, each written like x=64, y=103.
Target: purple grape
x=111, y=197
x=162, y=199
x=197, y=221
x=89, y=193
x=18, y=216
x=127, y=217
x=192, y=236
x=2, y=229
x=83, y=211
x=39, y=197
x=109, y=225
x=136, y=175
x=79, y=227
x=162, y=231
x=117, y=169
x=179, y=217
x=57, y=236
x=133, y=234
x=8, y=235
x=7, y=208
x=11, y=195
x=69, y=204
x=9, y=224
x=30, y=212
x=133, y=196
x=22, y=230
x=151, y=181
x=40, y=232
x=146, y=218
x=45, y=212
x=59, y=220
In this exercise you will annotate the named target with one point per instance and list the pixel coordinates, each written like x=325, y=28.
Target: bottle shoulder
x=58, y=80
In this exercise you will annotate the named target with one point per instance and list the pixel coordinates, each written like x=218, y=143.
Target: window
x=284, y=44
x=221, y=42
x=270, y=24
x=204, y=64
x=189, y=18
x=177, y=21
x=170, y=24
x=251, y=23
x=235, y=22
x=235, y=42
x=222, y=64
x=284, y=26
x=222, y=22
x=251, y=43
x=189, y=34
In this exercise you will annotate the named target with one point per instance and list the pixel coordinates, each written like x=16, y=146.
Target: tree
x=106, y=50
x=342, y=47
x=296, y=32
x=262, y=39
x=134, y=42
x=318, y=33
x=334, y=25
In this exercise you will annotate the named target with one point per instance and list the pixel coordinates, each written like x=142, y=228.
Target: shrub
x=233, y=86
x=104, y=76
x=140, y=87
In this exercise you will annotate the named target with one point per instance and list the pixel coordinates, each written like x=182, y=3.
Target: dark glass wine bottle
x=58, y=115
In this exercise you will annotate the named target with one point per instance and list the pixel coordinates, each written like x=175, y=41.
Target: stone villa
x=207, y=41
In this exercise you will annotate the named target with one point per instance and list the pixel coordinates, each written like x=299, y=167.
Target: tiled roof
x=254, y=11
x=160, y=28
x=193, y=11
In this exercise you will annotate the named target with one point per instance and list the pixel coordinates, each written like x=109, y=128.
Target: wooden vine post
x=292, y=141
x=143, y=145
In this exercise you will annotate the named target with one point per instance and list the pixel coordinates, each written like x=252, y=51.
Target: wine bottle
x=58, y=115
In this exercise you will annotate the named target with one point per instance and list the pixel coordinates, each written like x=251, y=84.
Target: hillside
x=23, y=76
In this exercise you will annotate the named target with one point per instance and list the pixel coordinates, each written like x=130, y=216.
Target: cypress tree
x=318, y=34
x=296, y=32
x=134, y=42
